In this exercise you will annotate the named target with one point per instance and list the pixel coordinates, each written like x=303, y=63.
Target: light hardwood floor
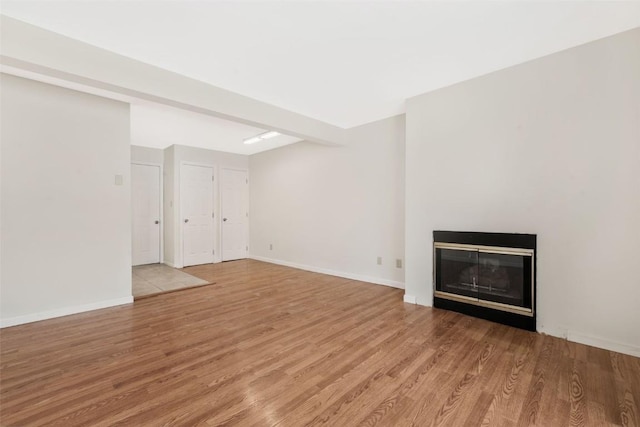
x=269, y=345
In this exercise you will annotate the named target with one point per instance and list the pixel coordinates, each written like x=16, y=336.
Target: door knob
x=186, y=220
x=156, y=222
x=224, y=219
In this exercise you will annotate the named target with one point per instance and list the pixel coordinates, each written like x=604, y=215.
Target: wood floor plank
x=272, y=345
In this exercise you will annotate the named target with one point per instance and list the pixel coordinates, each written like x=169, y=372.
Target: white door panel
x=145, y=206
x=196, y=195
x=235, y=210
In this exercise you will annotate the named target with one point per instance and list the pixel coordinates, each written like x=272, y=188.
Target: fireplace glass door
x=457, y=272
x=498, y=277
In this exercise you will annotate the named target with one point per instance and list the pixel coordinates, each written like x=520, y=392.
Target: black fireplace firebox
x=486, y=275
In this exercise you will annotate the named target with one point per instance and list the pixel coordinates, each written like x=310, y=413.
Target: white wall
x=175, y=156
x=147, y=155
x=550, y=147
x=333, y=209
x=168, y=211
x=66, y=226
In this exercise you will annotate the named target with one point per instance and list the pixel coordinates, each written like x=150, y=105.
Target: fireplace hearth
x=486, y=275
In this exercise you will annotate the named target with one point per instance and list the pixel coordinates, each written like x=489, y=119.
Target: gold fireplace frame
x=477, y=301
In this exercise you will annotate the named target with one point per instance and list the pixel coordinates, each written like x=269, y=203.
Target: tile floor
x=157, y=278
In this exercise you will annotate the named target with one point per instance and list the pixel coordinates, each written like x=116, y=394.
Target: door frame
x=216, y=210
x=247, y=228
x=161, y=207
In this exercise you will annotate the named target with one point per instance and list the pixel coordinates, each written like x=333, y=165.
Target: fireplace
x=487, y=275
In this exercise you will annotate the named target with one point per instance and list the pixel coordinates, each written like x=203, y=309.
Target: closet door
x=196, y=196
x=235, y=213
x=145, y=193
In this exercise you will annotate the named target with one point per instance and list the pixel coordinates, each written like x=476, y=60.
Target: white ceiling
x=159, y=126
x=345, y=63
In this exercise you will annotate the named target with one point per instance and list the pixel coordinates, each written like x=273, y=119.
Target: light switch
x=119, y=179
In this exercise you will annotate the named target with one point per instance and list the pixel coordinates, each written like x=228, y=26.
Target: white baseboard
x=593, y=341
x=361, y=278
x=557, y=331
x=603, y=343
x=172, y=265
x=411, y=299
x=35, y=317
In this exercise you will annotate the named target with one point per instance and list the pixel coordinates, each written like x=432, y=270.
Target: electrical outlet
x=398, y=263
x=270, y=246
x=379, y=260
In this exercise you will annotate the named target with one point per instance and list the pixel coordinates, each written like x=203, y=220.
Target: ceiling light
x=269, y=134
x=252, y=140
x=266, y=135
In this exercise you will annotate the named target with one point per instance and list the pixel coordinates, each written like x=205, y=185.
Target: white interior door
x=145, y=233
x=196, y=196
x=235, y=213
